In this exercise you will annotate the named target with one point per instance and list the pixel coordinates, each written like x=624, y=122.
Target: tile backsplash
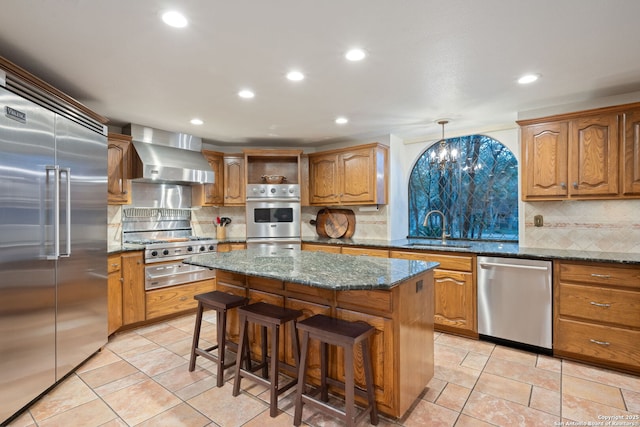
x=591, y=225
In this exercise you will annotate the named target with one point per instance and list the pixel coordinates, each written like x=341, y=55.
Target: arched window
x=478, y=194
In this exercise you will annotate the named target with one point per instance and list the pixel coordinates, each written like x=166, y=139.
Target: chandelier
x=444, y=158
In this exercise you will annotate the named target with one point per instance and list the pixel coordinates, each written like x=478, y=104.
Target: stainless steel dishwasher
x=514, y=301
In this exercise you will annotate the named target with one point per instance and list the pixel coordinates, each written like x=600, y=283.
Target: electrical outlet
x=538, y=221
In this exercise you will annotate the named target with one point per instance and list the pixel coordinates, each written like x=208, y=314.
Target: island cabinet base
x=402, y=347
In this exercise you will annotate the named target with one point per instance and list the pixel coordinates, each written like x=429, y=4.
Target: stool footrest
x=308, y=400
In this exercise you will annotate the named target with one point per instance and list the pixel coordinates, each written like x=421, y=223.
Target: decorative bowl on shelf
x=274, y=179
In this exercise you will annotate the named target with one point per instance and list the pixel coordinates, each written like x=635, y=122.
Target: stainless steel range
x=166, y=234
x=273, y=216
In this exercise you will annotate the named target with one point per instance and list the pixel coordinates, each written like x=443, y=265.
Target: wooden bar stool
x=221, y=302
x=272, y=317
x=337, y=332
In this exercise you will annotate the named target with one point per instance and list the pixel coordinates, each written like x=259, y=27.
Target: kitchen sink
x=437, y=245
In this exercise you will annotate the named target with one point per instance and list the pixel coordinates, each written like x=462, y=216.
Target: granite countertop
x=317, y=269
x=502, y=249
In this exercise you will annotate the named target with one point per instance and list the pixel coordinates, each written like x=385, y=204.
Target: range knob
x=291, y=190
x=202, y=248
x=211, y=247
x=262, y=190
x=165, y=252
x=190, y=249
x=273, y=190
x=154, y=253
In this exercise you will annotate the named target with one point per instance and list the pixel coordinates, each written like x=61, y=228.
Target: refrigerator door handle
x=67, y=172
x=56, y=212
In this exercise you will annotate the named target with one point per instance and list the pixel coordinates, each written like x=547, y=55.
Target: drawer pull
x=601, y=276
x=600, y=304
x=115, y=265
x=183, y=298
x=599, y=342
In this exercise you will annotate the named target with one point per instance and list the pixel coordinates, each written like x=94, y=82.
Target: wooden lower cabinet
x=402, y=347
x=175, y=299
x=114, y=292
x=228, y=247
x=133, y=297
x=350, y=250
x=597, y=313
x=335, y=249
x=455, y=293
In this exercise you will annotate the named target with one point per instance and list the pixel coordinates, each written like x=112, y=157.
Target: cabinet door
x=358, y=177
x=255, y=338
x=214, y=193
x=114, y=292
x=323, y=179
x=631, y=153
x=453, y=298
x=544, y=166
x=233, y=324
x=593, y=156
x=118, y=169
x=234, y=181
x=382, y=355
x=133, y=297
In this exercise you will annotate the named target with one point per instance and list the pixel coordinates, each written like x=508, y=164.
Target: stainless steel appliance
x=514, y=301
x=53, y=241
x=273, y=216
x=160, y=220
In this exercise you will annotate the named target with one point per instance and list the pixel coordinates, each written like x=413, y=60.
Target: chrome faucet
x=444, y=224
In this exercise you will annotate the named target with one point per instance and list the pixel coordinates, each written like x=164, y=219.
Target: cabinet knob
x=122, y=279
x=563, y=185
x=575, y=185
x=183, y=298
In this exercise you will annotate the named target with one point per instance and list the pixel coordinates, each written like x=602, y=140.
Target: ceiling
x=427, y=60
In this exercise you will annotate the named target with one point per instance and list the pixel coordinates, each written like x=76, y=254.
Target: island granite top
x=318, y=269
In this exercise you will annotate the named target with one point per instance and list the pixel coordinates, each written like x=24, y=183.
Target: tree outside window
x=478, y=194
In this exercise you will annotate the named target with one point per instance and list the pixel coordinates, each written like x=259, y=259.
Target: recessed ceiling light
x=342, y=121
x=246, y=93
x=295, y=75
x=528, y=78
x=355, y=54
x=174, y=19
x=196, y=122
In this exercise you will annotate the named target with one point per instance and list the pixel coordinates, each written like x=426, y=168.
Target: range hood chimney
x=168, y=157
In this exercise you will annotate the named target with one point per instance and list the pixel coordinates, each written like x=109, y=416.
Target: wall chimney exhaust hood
x=168, y=157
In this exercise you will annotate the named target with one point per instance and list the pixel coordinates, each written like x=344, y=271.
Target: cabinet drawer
x=383, y=253
x=610, y=344
x=603, y=274
x=176, y=298
x=230, y=278
x=114, y=263
x=600, y=304
x=264, y=284
x=366, y=301
x=335, y=249
x=310, y=293
x=447, y=262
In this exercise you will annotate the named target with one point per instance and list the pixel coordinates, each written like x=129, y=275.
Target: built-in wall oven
x=273, y=216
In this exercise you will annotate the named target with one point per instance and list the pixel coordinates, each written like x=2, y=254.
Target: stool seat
x=346, y=334
x=221, y=302
x=269, y=317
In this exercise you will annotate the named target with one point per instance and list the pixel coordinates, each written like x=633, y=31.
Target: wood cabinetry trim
x=578, y=114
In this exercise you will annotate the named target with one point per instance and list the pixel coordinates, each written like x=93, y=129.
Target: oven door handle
x=274, y=199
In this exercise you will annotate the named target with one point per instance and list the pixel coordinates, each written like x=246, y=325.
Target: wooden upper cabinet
x=593, y=156
x=544, y=151
x=234, y=180
x=352, y=176
x=631, y=154
x=585, y=155
x=118, y=169
x=211, y=194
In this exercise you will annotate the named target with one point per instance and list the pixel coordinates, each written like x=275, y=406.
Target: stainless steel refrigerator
x=53, y=241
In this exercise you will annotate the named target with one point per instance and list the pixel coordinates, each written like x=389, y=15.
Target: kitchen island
x=393, y=295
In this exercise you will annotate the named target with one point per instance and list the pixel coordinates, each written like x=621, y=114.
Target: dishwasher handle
x=487, y=265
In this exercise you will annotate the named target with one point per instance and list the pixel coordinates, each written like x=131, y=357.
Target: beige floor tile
x=178, y=378
x=632, y=400
x=225, y=410
x=467, y=421
x=434, y=388
x=181, y=347
x=503, y=412
x=196, y=388
x=126, y=341
x=585, y=411
x=475, y=361
x=448, y=355
x=460, y=375
x=108, y=373
x=593, y=391
x=549, y=363
x=453, y=397
x=475, y=346
x=429, y=414
x=168, y=336
x=117, y=422
x=100, y=359
x=522, y=373
x=504, y=388
x=545, y=400
x=141, y=401
x=156, y=361
x=145, y=348
x=601, y=375
x=181, y=415
x=514, y=355
x=24, y=420
x=70, y=393
x=92, y=413
x=124, y=382
x=184, y=323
